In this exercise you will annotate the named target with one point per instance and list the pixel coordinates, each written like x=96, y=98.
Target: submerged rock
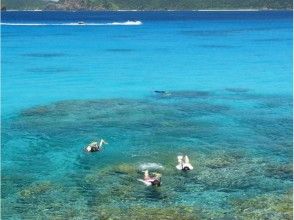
x=36, y=111
x=124, y=169
x=44, y=55
x=237, y=90
x=137, y=212
x=36, y=189
x=280, y=171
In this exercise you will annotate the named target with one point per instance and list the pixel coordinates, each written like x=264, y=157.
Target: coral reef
x=36, y=189
x=222, y=159
x=124, y=169
x=281, y=171
x=239, y=157
x=267, y=206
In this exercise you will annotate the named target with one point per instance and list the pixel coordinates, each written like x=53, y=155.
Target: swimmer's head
x=90, y=148
x=94, y=149
x=155, y=183
x=186, y=168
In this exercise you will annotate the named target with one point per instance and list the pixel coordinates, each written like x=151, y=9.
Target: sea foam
x=147, y=166
x=126, y=23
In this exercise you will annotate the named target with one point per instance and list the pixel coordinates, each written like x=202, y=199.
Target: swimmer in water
x=94, y=146
x=154, y=180
x=184, y=163
x=163, y=93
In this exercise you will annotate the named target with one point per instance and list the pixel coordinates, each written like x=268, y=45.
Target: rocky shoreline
x=72, y=5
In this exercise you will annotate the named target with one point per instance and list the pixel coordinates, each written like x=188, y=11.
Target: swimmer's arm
x=147, y=183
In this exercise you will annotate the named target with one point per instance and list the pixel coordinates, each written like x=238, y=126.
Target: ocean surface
x=69, y=78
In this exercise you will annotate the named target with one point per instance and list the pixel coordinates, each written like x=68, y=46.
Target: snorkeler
x=154, y=180
x=184, y=163
x=94, y=146
x=162, y=92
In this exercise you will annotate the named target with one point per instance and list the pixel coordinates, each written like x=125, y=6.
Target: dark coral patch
x=49, y=70
x=44, y=55
x=273, y=40
x=216, y=46
x=280, y=171
x=36, y=111
x=120, y=50
x=237, y=90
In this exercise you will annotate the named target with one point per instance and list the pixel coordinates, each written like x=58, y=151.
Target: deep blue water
x=229, y=107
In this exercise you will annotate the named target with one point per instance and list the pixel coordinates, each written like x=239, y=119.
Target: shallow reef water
x=239, y=143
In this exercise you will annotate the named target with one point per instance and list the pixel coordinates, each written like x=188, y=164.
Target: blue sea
x=216, y=86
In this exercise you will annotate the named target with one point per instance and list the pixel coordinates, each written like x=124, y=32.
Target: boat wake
x=126, y=23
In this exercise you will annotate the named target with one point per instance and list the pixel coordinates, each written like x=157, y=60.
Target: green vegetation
x=146, y=5
x=192, y=4
x=23, y=4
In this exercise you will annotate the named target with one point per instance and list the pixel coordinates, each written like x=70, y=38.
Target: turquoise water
x=229, y=107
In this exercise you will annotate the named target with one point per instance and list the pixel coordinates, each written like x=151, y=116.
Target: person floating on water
x=154, y=180
x=94, y=146
x=163, y=93
x=184, y=163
